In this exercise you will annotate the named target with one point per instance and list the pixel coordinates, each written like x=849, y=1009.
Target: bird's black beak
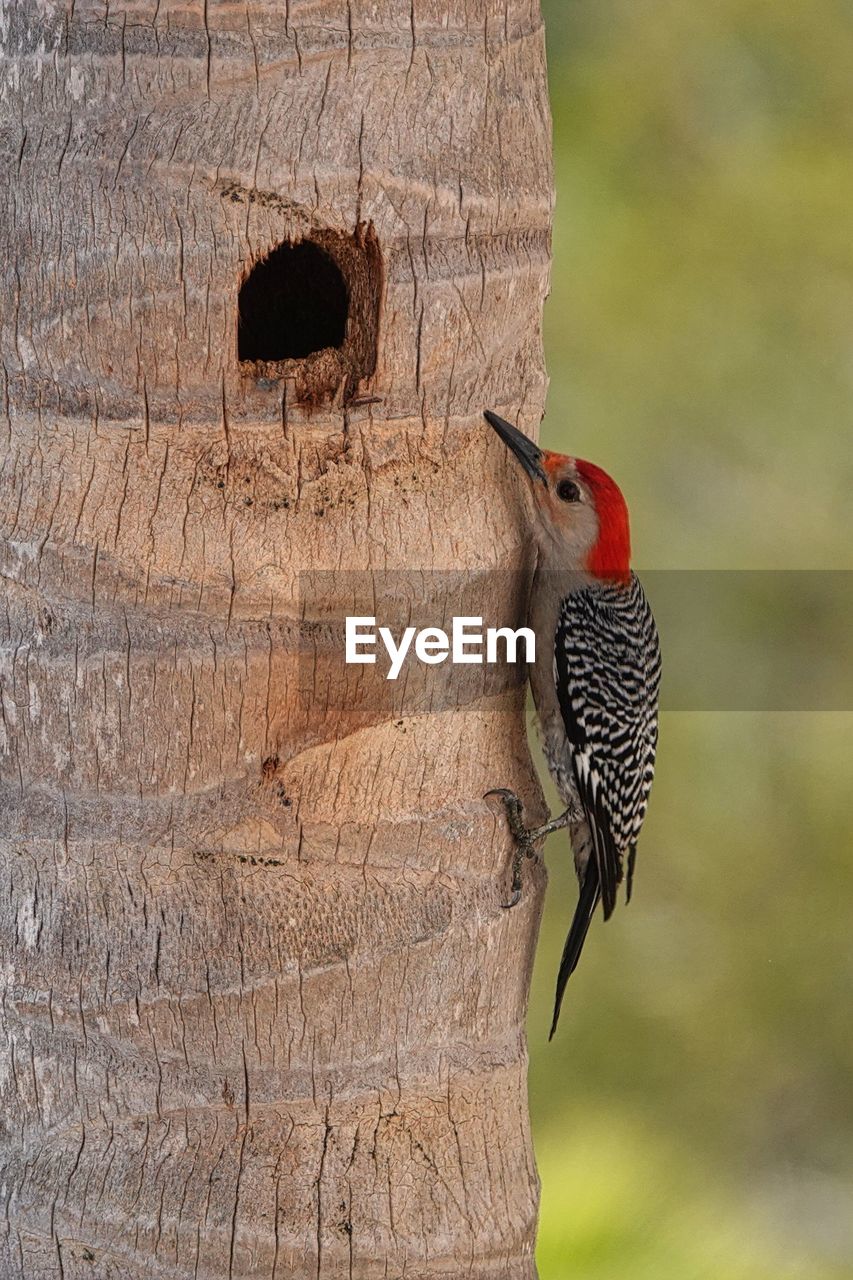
x=528, y=454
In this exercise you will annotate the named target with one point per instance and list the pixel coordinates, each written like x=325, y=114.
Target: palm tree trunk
x=262, y=1011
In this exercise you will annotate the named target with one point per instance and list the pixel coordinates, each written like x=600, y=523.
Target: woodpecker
x=595, y=680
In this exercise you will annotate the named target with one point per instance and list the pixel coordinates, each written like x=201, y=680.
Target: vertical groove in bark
x=262, y=1012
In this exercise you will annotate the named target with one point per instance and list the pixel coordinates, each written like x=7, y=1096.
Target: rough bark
x=262, y=1011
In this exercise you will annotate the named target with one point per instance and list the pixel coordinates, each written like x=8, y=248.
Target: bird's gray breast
x=549, y=591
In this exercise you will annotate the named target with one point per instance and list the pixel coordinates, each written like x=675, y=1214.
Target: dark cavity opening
x=292, y=303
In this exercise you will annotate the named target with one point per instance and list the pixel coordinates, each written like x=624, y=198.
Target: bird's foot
x=525, y=837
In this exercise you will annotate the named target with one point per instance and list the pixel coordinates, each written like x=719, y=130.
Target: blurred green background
x=693, y=1117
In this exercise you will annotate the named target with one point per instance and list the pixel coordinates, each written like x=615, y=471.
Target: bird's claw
x=514, y=815
x=520, y=834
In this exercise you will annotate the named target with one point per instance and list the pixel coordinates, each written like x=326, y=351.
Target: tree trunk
x=263, y=1010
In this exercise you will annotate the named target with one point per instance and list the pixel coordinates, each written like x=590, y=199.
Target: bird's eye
x=568, y=491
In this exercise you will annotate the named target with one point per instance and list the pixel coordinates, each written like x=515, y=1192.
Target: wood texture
x=262, y=1011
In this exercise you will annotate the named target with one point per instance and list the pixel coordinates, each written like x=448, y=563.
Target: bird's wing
x=607, y=672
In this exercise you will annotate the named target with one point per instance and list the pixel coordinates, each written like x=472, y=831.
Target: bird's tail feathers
x=587, y=902
x=629, y=879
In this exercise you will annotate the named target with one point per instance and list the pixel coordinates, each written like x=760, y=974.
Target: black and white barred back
x=607, y=675
x=607, y=670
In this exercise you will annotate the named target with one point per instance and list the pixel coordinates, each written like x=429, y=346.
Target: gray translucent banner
x=732, y=640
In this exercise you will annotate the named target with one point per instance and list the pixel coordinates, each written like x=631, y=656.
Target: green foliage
x=694, y=1115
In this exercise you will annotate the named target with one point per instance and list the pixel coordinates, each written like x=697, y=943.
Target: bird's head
x=579, y=513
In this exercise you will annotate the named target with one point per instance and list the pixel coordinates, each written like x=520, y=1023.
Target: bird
x=595, y=679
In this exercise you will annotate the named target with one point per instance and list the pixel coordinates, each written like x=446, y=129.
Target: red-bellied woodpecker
x=595, y=680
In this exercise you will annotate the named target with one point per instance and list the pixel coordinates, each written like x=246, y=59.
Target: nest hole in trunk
x=309, y=312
